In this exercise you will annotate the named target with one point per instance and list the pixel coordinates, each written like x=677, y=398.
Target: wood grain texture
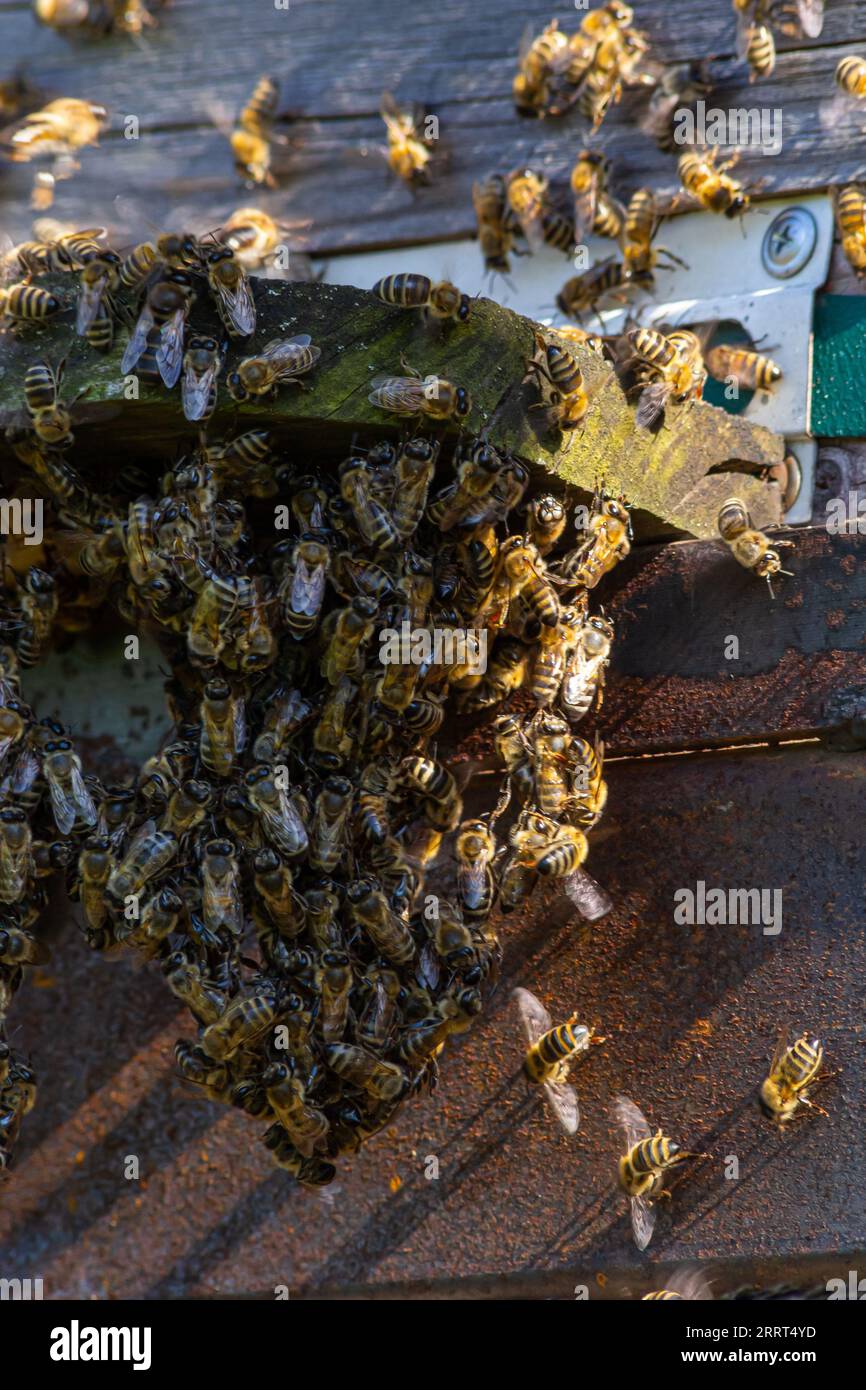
x=676, y=608
x=664, y=474
x=333, y=59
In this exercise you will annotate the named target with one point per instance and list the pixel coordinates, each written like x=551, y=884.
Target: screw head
x=789, y=242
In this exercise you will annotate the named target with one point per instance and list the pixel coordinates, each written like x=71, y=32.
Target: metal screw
x=789, y=242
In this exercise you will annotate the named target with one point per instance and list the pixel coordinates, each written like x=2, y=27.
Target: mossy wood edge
x=664, y=475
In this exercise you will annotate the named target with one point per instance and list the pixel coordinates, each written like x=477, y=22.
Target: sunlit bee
x=642, y=1168
x=439, y=299
x=202, y=363
x=795, y=1069
x=24, y=303
x=232, y=291
x=409, y=150
x=551, y=1054
x=282, y=362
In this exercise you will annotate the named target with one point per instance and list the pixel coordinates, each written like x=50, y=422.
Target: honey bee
x=707, y=180
x=220, y=888
x=437, y=299
x=16, y=863
x=587, y=179
x=98, y=277
x=185, y=978
x=415, y=395
x=305, y=1124
x=279, y=814
x=202, y=364
x=389, y=934
x=312, y=1172
x=526, y=198
x=676, y=364
x=71, y=801
x=851, y=75
x=409, y=149
x=333, y=805
x=150, y=852
x=253, y=235
x=48, y=415
x=688, y=1284
x=252, y=137
x=606, y=542
x=495, y=234
x=795, y=1068
x=443, y=804
x=538, y=59
x=475, y=848
x=751, y=370
x=164, y=317
x=241, y=1024
x=760, y=52
x=59, y=128
x=552, y=1052
x=638, y=232
x=159, y=918
x=337, y=980
x=562, y=381
x=850, y=208
x=282, y=361
x=231, y=290
x=607, y=279
x=679, y=85
x=583, y=677
x=25, y=303
x=385, y=1080
x=642, y=1168
x=506, y=672
x=750, y=548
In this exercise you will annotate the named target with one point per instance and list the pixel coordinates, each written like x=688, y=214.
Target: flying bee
x=538, y=58
x=409, y=149
x=48, y=415
x=202, y=364
x=25, y=303
x=164, y=316
x=232, y=291
x=760, y=52
x=253, y=235
x=707, y=180
x=475, y=848
x=437, y=299
x=552, y=1052
x=751, y=548
x=279, y=814
x=71, y=802
x=361, y=1068
x=432, y=396
x=58, y=129
x=607, y=279
x=751, y=370
x=607, y=540
x=793, y=1071
x=641, y=223
x=282, y=361
x=850, y=209
x=687, y=1284
x=495, y=234
x=588, y=178
x=253, y=135
x=526, y=199
x=642, y=1168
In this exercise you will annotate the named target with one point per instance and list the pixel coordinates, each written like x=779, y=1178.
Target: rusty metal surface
x=690, y=1013
x=676, y=608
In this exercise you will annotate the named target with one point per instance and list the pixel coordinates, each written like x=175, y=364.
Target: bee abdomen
x=406, y=291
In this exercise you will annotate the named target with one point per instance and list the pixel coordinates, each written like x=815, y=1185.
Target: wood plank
x=801, y=668
x=514, y=1201
x=462, y=67
x=665, y=474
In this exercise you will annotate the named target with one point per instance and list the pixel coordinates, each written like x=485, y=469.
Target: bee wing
x=84, y=803
x=781, y=1049
x=308, y=588
x=138, y=339
x=403, y=395
x=428, y=967
x=653, y=400
x=62, y=805
x=169, y=354
x=239, y=726
x=632, y=1121
x=239, y=306
x=472, y=878
x=89, y=305
x=643, y=1220
x=585, y=209
x=25, y=772
x=533, y=1015
x=690, y=1283
x=563, y=1102
x=591, y=900
x=395, y=119
x=196, y=388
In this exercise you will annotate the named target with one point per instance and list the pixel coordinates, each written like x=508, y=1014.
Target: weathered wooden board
x=690, y=1013
x=800, y=662
x=664, y=474
x=334, y=58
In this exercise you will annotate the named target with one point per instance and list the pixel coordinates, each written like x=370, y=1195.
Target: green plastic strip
x=838, y=360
